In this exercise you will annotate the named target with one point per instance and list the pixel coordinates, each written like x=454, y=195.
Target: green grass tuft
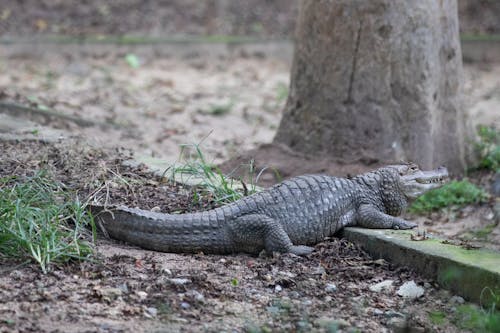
x=209, y=178
x=475, y=319
x=455, y=193
x=281, y=92
x=488, y=148
x=39, y=221
x=437, y=317
x=220, y=109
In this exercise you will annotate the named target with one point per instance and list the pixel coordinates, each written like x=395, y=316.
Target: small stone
x=142, y=295
x=123, y=287
x=378, y=312
x=196, y=295
x=457, y=300
x=166, y=271
x=397, y=324
x=427, y=285
x=320, y=270
x=156, y=209
x=150, y=312
x=386, y=285
x=379, y=262
x=109, y=292
x=393, y=314
x=179, y=281
x=330, y=288
x=179, y=320
x=143, y=277
x=410, y=290
x=222, y=261
x=185, y=305
x=278, y=288
x=307, y=302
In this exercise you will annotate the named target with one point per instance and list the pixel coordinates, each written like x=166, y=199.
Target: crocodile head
x=398, y=185
x=415, y=182
x=401, y=184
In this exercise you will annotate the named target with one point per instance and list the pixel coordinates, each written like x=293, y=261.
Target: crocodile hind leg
x=255, y=232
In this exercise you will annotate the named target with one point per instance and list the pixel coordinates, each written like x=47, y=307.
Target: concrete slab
x=474, y=48
x=470, y=273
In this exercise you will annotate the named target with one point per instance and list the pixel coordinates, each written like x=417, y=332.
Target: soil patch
x=276, y=162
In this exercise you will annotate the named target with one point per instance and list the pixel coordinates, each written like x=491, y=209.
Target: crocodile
x=288, y=217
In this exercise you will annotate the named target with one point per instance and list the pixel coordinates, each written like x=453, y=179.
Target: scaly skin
x=285, y=218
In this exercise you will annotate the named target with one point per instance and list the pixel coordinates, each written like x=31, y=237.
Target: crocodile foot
x=301, y=250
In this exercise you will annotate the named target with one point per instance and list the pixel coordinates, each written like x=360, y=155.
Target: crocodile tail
x=192, y=232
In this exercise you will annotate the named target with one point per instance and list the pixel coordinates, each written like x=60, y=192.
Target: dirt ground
x=231, y=105
x=128, y=289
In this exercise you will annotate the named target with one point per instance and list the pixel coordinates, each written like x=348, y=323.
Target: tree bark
x=377, y=81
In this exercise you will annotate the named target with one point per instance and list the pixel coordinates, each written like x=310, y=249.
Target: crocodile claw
x=403, y=224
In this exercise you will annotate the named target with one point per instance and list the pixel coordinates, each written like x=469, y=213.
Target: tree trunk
x=377, y=81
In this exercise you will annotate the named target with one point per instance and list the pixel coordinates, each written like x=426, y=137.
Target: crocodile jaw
x=416, y=182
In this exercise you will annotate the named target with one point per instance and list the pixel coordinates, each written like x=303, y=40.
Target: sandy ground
x=229, y=105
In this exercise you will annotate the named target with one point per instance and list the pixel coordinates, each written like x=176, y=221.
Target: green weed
x=279, y=306
x=437, y=317
x=220, y=109
x=480, y=319
x=209, y=178
x=132, y=60
x=39, y=221
x=281, y=92
x=488, y=148
x=475, y=319
x=484, y=232
x=455, y=193
x=490, y=298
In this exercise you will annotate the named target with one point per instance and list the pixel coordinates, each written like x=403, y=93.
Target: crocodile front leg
x=255, y=232
x=370, y=217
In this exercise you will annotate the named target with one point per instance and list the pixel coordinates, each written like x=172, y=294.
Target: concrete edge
x=470, y=273
x=474, y=48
